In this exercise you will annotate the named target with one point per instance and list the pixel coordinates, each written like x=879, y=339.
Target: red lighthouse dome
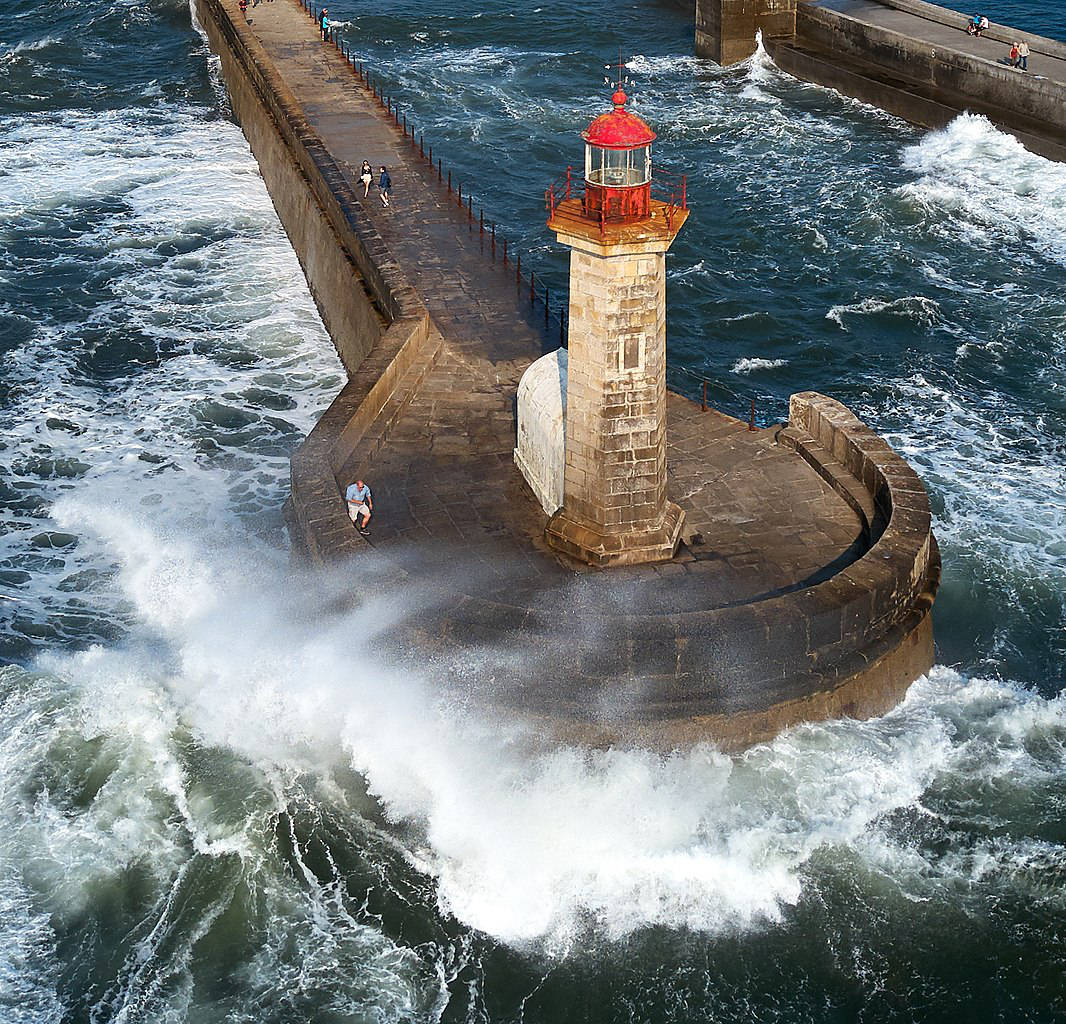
x=618, y=128
x=618, y=165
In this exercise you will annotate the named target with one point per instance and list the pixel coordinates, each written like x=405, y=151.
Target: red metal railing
x=559, y=190
x=669, y=189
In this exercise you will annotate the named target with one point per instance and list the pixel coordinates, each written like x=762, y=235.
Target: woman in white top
x=366, y=176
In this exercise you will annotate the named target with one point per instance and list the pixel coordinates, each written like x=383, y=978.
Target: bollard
x=751, y=420
x=470, y=212
x=405, y=126
x=704, y=396
x=421, y=145
x=449, y=183
x=438, y=170
x=482, y=223
x=460, y=193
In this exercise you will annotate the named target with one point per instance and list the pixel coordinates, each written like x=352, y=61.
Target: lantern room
x=618, y=165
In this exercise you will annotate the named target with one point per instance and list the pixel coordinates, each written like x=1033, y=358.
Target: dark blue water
x=208, y=815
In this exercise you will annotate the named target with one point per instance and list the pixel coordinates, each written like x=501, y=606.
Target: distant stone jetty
x=911, y=58
x=790, y=570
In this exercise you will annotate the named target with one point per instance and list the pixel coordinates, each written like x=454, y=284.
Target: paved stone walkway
x=943, y=35
x=446, y=490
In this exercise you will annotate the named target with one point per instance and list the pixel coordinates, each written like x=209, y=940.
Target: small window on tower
x=632, y=351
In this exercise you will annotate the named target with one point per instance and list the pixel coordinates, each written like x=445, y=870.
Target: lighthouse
x=614, y=509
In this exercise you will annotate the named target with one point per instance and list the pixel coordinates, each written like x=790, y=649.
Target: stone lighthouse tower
x=615, y=510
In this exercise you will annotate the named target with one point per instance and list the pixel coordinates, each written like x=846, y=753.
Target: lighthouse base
x=586, y=543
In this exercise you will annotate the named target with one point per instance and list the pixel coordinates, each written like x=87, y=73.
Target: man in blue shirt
x=360, y=503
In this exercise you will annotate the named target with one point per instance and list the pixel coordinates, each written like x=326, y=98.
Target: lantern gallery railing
x=494, y=246
x=669, y=189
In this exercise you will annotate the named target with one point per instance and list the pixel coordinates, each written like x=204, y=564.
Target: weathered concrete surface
x=915, y=60
x=807, y=594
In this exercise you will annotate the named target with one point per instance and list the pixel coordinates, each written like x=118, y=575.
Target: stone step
x=838, y=476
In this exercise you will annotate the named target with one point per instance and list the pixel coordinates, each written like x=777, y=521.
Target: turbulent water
x=216, y=804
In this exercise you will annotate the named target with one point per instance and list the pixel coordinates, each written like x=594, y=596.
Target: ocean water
x=216, y=803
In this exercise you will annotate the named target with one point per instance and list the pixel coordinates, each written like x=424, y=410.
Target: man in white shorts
x=360, y=503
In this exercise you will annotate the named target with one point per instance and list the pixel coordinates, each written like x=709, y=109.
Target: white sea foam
x=747, y=365
x=924, y=310
x=985, y=186
x=238, y=351
x=533, y=843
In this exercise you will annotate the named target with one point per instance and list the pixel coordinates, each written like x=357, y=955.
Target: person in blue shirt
x=324, y=24
x=384, y=186
x=360, y=503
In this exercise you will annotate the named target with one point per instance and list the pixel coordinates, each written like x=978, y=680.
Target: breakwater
x=804, y=594
x=911, y=58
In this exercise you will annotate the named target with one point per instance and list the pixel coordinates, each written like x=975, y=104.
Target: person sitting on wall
x=973, y=25
x=983, y=26
x=360, y=503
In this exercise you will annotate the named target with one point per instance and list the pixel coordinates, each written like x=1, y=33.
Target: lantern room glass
x=617, y=168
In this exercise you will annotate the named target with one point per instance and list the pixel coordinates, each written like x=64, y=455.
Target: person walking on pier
x=1023, y=55
x=360, y=503
x=384, y=187
x=366, y=176
x=323, y=24
x=1013, y=55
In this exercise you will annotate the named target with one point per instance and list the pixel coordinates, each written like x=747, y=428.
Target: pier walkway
x=442, y=470
x=924, y=29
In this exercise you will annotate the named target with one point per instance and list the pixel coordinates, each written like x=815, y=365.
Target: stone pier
x=911, y=58
x=802, y=585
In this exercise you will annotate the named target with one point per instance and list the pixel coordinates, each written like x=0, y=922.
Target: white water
x=532, y=845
